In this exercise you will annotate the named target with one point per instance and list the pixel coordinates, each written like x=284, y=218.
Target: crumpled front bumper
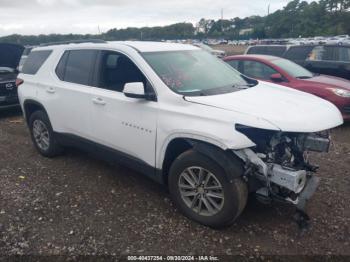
x=283, y=177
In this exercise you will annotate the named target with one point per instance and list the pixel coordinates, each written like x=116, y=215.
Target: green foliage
x=297, y=18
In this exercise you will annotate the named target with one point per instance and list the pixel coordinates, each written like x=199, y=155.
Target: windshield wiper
x=303, y=77
x=243, y=86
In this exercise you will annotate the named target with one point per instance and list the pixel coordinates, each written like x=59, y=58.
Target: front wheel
x=200, y=189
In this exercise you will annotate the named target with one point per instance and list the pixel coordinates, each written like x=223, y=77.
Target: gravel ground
x=78, y=205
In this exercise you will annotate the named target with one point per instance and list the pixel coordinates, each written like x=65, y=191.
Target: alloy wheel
x=41, y=135
x=201, y=191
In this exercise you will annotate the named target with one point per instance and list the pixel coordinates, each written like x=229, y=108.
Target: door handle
x=98, y=101
x=50, y=90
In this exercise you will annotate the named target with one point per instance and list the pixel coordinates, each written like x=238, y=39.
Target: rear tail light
x=19, y=82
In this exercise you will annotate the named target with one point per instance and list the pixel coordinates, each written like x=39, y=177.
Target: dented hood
x=10, y=55
x=287, y=109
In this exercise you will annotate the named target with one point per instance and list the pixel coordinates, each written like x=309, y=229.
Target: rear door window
x=34, y=61
x=77, y=66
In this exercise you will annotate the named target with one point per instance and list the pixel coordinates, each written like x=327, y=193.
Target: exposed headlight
x=340, y=92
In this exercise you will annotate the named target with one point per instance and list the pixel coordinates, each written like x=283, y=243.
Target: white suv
x=182, y=117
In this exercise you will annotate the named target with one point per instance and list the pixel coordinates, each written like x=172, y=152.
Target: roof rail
x=96, y=41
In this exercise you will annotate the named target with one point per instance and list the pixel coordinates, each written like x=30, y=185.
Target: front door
x=127, y=125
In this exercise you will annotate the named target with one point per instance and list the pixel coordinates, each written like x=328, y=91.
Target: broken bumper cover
x=301, y=182
x=293, y=180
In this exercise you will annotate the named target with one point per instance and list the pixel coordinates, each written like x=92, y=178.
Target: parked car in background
x=10, y=54
x=297, y=41
x=333, y=41
x=343, y=39
x=183, y=117
x=274, y=50
x=323, y=59
x=218, y=53
x=287, y=73
x=330, y=60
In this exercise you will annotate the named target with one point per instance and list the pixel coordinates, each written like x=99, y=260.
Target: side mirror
x=134, y=90
x=276, y=78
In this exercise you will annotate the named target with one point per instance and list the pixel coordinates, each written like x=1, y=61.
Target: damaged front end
x=277, y=168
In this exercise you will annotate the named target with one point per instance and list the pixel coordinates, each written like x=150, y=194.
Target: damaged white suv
x=182, y=117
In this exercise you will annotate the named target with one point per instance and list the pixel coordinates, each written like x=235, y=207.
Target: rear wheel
x=43, y=136
x=201, y=190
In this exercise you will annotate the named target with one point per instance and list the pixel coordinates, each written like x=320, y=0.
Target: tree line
x=297, y=19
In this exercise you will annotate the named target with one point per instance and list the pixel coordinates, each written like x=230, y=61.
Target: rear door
x=67, y=98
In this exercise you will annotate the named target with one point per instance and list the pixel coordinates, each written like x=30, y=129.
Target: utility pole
x=268, y=10
x=222, y=20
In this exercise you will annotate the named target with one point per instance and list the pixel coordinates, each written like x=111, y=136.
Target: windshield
x=292, y=68
x=195, y=72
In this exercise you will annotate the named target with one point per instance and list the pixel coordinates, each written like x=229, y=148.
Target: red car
x=285, y=72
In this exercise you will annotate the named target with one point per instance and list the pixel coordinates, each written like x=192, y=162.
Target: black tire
x=54, y=148
x=235, y=193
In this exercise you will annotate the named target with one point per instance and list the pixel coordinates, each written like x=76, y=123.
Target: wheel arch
x=30, y=106
x=215, y=151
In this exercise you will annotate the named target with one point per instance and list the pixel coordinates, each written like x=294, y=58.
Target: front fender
x=232, y=165
x=241, y=142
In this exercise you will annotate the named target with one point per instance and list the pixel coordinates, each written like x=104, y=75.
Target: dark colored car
x=274, y=50
x=10, y=55
x=287, y=73
x=322, y=59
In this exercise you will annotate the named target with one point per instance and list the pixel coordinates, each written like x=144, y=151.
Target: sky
x=33, y=17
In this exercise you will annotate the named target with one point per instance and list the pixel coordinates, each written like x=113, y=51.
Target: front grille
x=346, y=109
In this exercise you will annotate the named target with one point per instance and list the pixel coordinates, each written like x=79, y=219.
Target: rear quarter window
x=61, y=67
x=34, y=61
